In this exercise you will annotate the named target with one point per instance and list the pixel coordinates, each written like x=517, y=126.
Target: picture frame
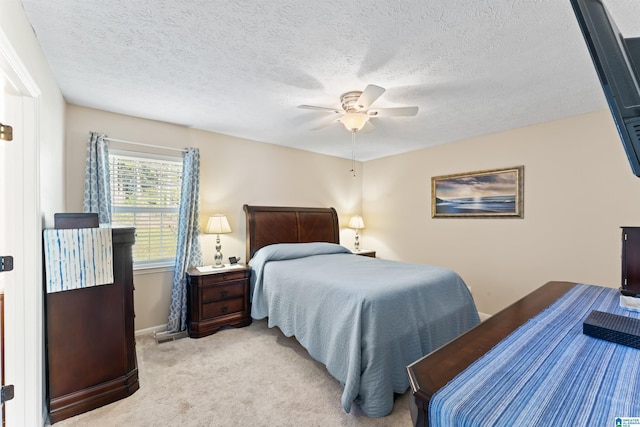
x=496, y=193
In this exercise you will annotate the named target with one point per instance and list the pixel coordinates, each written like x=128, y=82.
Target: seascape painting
x=493, y=193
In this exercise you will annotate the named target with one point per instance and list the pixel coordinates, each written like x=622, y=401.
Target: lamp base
x=217, y=259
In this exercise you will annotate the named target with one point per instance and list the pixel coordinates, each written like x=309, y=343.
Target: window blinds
x=145, y=194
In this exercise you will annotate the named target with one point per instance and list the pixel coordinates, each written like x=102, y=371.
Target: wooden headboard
x=267, y=225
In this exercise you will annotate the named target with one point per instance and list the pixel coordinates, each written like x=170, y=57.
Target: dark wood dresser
x=630, y=261
x=90, y=339
x=217, y=298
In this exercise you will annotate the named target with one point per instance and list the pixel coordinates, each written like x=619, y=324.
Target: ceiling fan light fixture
x=354, y=121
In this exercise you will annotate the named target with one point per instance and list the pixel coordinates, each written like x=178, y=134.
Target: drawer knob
x=224, y=309
x=224, y=294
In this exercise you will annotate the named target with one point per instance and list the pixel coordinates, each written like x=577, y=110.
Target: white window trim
x=146, y=269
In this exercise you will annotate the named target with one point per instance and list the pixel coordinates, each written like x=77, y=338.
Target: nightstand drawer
x=221, y=292
x=222, y=308
x=223, y=276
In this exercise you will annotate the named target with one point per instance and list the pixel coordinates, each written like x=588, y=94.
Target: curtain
x=97, y=191
x=188, y=253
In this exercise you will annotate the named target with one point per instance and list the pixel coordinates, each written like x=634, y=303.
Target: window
x=145, y=194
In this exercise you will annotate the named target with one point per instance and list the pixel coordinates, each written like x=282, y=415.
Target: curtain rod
x=145, y=145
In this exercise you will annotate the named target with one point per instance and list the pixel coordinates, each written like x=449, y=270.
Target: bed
x=365, y=319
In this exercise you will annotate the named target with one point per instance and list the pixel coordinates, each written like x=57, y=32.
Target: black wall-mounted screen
x=617, y=63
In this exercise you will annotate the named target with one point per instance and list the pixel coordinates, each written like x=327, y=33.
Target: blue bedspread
x=548, y=373
x=365, y=319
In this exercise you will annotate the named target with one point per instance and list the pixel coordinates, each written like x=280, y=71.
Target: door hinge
x=6, y=263
x=6, y=132
x=6, y=393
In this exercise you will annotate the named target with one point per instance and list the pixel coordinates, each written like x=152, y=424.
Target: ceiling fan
x=355, y=112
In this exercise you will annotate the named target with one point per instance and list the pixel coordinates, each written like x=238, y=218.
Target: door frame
x=24, y=313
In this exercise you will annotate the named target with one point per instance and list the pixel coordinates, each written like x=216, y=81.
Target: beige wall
x=579, y=190
x=234, y=171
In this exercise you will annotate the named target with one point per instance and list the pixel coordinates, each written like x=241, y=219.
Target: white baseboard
x=151, y=330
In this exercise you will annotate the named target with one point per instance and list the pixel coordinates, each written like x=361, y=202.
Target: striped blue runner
x=77, y=258
x=548, y=373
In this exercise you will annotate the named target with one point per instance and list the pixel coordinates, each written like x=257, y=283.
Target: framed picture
x=490, y=193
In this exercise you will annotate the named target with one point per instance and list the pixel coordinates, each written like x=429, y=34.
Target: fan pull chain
x=353, y=153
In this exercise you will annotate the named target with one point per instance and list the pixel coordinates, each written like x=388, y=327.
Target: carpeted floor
x=248, y=376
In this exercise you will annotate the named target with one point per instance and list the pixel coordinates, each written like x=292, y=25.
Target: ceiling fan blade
x=315, y=107
x=325, y=123
x=368, y=127
x=394, y=112
x=368, y=97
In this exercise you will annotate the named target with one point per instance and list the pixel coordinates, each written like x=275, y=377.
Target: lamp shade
x=354, y=121
x=218, y=224
x=356, y=222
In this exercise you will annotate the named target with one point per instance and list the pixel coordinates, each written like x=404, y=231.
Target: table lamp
x=218, y=224
x=357, y=223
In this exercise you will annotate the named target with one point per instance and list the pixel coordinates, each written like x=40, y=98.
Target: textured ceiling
x=242, y=67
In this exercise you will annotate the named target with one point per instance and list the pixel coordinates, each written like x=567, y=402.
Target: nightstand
x=365, y=252
x=217, y=298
